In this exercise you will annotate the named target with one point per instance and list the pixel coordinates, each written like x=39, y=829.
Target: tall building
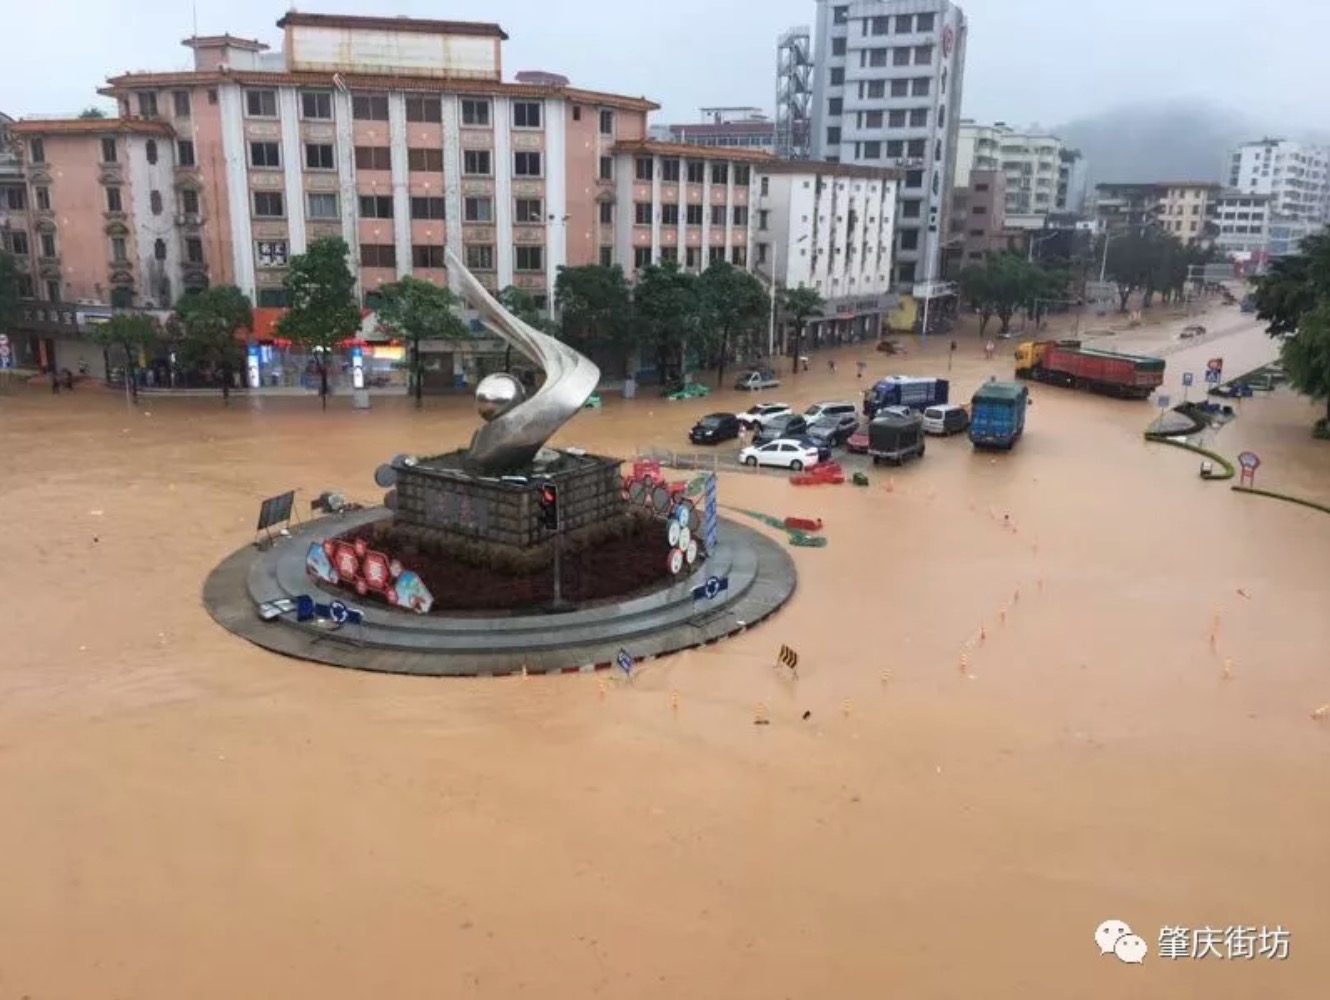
x=1295, y=175
x=978, y=221
x=887, y=84
x=1032, y=163
x=1181, y=208
x=1242, y=221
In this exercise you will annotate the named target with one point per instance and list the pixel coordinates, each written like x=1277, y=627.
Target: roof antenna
x=195, y=7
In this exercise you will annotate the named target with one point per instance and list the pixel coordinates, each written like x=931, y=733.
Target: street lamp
x=1034, y=241
x=771, y=320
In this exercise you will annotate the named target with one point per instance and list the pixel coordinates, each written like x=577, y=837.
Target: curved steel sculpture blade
x=511, y=440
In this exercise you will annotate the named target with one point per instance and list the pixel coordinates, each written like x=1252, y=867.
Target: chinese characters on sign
x=1239, y=943
x=272, y=253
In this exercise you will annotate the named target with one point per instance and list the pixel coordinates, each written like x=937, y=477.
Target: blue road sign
x=1213, y=377
x=1187, y=379
x=624, y=661
x=336, y=612
x=1165, y=402
x=714, y=586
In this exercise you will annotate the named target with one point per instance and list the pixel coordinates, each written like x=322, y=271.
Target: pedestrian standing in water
x=861, y=366
x=55, y=381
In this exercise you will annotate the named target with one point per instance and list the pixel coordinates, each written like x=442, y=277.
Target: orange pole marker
x=601, y=689
x=525, y=675
x=1002, y=615
x=886, y=676
x=965, y=665
x=983, y=633
x=1228, y=670
x=674, y=700
x=845, y=708
x=760, y=714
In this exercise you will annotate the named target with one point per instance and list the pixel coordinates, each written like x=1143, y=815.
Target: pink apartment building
x=399, y=135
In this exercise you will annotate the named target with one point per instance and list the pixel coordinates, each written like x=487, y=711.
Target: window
x=877, y=88
x=155, y=202
x=644, y=168
x=478, y=210
x=118, y=252
x=319, y=156
x=739, y=256
x=720, y=173
x=838, y=46
x=148, y=105
x=114, y=203
x=475, y=111
x=696, y=171
x=606, y=122
x=424, y=161
x=837, y=76
x=316, y=105
x=715, y=254
x=264, y=154
x=762, y=250
x=476, y=163
x=923, y=55
x=528, y=210
x=909, y=239
x=670, y=171
x=833, y=136
x=740, y=215
x=374, y=158
x=376, y=206
x=480, y=258
x=150, y=151
x=641, y=257
x=108, y=151
x=765, y=185
x=25, y=287
x=180, y=103
x=607, y=213
x=693, y=215
x=53, y=293
x=529, y=259
x=427, y=256
x=159, y=249
x=48, y=245
x=742, y=175
x=669, y=215
x=43, y=199
x=378, y=255
x=914, y=178
x=872, y=150
x=526, y=114
x=272, y=298
x=269, y=204
x=184, y=153
x=607, y=168
x=835, y=106
x=669, y=254
x=895, y=149
x=919, y=118
x=718, y=215
x=189, y=202
x=919, y=86
x=194, y=250
x=873, y=119
x=369, y=107
x=840, y=14
x=527, y=164
x=426, y=208
x=321, y=206
x=18, y=244
x=896, y=119
x=877, y=58
x=37, y=150
x=879, y=26
x=923, y=22
x=692, y=257
x=643, y=212
x=763, y=217
x=904, y=24
x=606, y=256
x=424, y=109
x=261, y=103
x=915, y=149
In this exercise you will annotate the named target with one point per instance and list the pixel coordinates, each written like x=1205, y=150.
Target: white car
x=786, y=453
x=762, y=414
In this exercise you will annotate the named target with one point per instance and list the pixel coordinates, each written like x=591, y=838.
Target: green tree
x=416, y=310
x=322, y=311
x=203, y=331
x=595, y=307
x=667, y=310
x=8, y=290
x=1295, y=286
x=977, y=292
x=1306, y=357
x=129, y=334
x=733, y=302
x=800, y=304
x=1012, y=282
x=92, y=114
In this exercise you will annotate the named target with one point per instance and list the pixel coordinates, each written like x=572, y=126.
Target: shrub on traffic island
x=1300, y=501
x=1228, y=471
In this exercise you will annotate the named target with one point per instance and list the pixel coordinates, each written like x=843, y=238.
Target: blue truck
x=904, y=390
x=997, y=414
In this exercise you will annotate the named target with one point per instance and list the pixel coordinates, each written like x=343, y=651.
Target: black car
x=715, y=428
x=786, y=425
x=823, y=448
x=835, y=430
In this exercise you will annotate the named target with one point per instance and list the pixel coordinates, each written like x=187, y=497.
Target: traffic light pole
x=558, y=564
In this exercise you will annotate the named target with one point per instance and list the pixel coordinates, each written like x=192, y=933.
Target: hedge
x=1324, y=508
x=1219, y=460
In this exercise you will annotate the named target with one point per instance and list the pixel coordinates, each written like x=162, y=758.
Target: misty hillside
x=1182, y=142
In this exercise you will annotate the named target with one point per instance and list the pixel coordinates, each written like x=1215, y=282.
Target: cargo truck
x=902, y=390
x=997, y=414
x=1067, y=363
x=894, y=437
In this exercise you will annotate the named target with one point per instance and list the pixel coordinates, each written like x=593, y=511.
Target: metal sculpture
x=517, y=427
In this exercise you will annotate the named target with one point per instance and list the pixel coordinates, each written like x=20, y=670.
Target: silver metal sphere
x=497, y=394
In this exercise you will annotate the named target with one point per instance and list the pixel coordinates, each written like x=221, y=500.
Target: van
x=753, y=381
x=946, y=419
x=820, y=410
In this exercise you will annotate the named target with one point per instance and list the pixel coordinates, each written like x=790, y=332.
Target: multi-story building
x=725, y=128
x=1286, y=235
x=1241, y=221
x=1073, y=180
x=1180, y=208
x=978, y=223
x=1295, y=175
x=1031, y=162
x=888, y=79
x=829, y=227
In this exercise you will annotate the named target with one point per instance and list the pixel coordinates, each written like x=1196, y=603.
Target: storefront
x=56, y=335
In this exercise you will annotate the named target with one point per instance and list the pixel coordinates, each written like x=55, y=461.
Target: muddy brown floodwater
x=185, y=815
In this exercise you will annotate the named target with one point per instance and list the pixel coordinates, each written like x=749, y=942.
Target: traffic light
x=549, y=505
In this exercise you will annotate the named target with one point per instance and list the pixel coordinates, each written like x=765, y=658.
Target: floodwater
x=185, y=815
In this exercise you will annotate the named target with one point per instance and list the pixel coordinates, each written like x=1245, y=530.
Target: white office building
x=887, y=85
x=830, y=228
x=1240, y=221
x=1030, y=161
x=1295, y=175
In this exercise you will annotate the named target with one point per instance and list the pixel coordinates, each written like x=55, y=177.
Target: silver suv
x=818, y=411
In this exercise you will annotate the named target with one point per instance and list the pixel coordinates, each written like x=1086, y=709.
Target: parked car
x=756, y=416
x=946, y=420
x=835, y=429
x=676, y=391
x=784, y=453
x=754, y=380
x=1196, y=330
x=857, y=442
x=823, y=448
x=819, y=410
x=782, y=425
x=715, y=428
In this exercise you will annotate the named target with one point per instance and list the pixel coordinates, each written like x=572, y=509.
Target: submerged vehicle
x=896, y=437
x=1067, y=363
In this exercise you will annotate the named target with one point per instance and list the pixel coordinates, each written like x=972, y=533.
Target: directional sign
x=711, y=515
x=714, y=586
x=335, y=611
x=1214, y=371
x=624, y=661
x=1186, y=380
x=1165, y=402
x=1249, y=460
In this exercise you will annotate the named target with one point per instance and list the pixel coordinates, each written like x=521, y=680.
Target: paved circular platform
x=760, y=572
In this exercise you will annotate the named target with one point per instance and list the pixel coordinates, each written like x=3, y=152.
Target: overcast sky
x=1029, y=61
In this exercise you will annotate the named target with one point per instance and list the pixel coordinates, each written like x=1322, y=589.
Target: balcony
x=11, y=167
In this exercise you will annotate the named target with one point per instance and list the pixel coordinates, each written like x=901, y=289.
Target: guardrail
x=703, y=461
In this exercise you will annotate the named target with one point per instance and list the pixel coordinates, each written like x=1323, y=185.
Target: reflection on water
x=186, y=815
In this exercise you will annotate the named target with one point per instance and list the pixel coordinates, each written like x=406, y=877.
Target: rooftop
x=483, y=29
x=224, y=41
x=90, y=126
